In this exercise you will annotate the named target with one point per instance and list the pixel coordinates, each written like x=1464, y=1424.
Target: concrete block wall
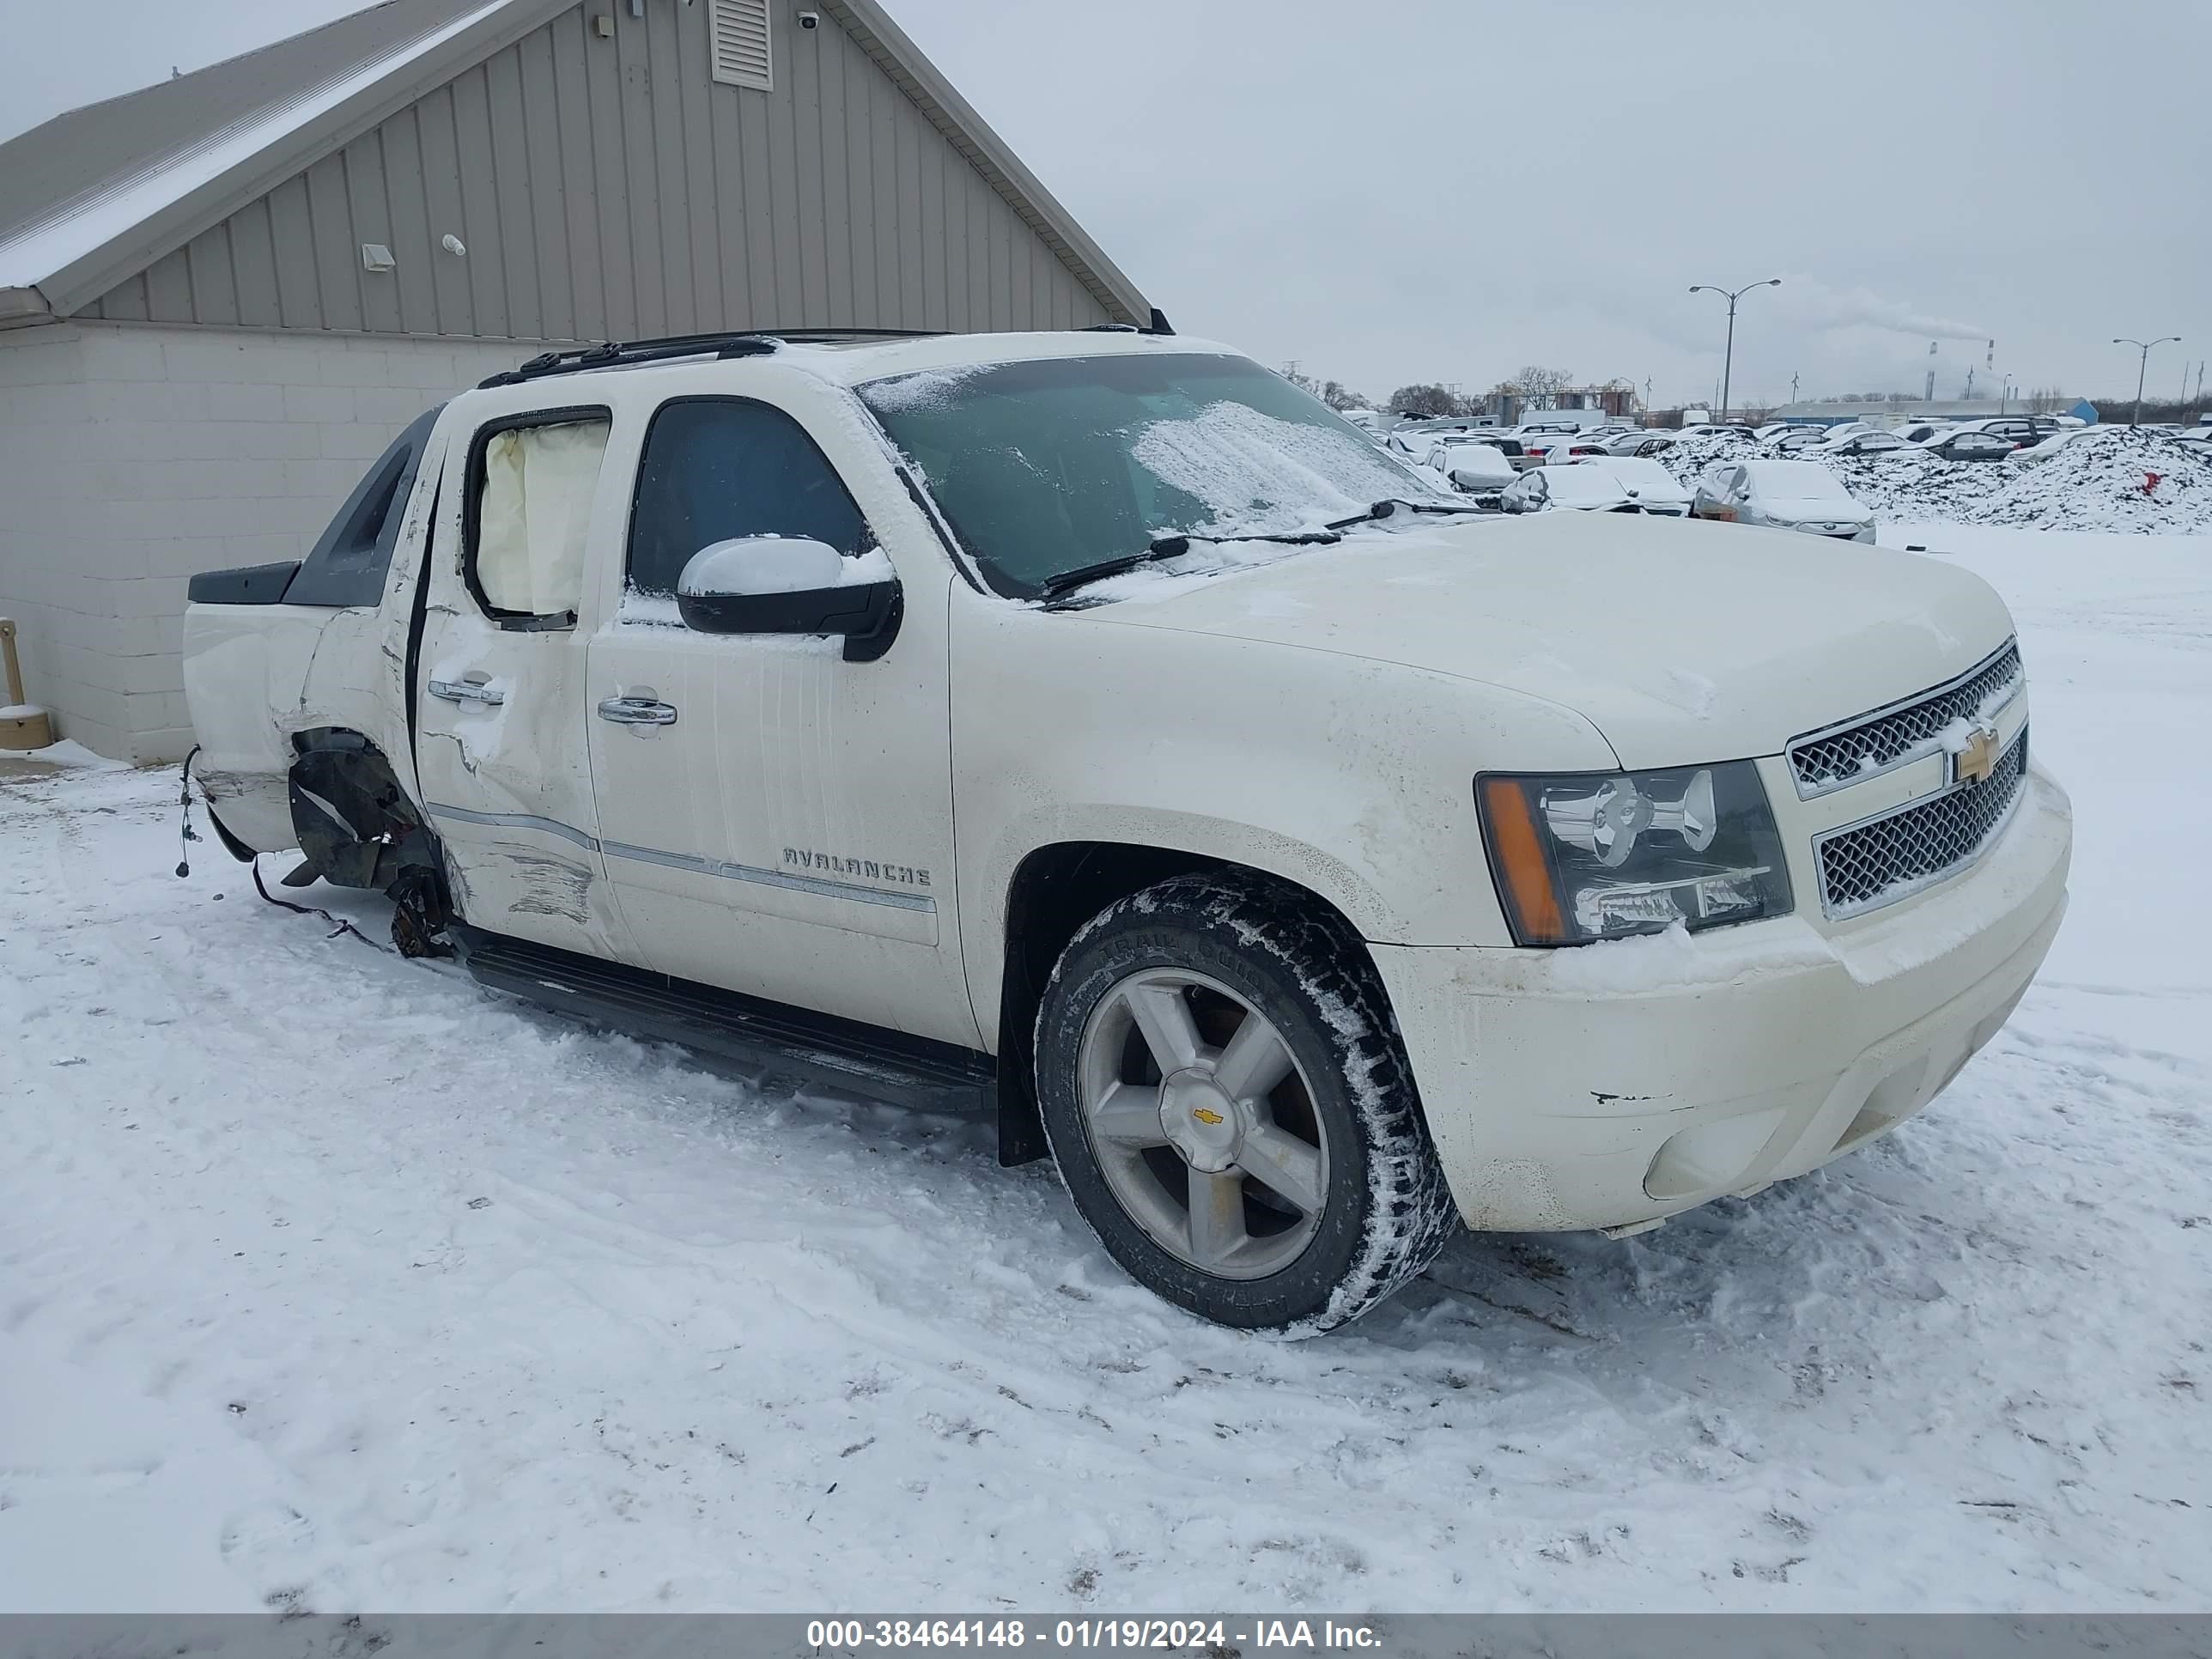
x=133, y=456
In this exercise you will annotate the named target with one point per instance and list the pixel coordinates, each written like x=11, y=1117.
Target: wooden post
x=18, y=729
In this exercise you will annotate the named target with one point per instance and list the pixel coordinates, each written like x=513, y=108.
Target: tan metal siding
x=613, y=188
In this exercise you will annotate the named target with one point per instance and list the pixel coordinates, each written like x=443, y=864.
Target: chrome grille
x=1892, y=737
x=1890, y=858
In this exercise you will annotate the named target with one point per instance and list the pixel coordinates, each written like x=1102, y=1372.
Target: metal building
x=221, y=295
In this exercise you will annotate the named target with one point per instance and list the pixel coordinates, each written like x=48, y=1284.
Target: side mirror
x=792, y=584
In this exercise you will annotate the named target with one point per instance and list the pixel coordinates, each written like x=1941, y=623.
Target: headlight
x=1590, y=856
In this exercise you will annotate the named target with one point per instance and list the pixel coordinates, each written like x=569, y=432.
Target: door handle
x=466, y=691
x=638, y=711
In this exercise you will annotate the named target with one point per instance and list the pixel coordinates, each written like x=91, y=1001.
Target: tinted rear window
x=348, y=564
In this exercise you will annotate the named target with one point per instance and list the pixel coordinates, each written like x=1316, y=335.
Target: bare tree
x=1539, y=386
x=1425, y=402
x=1334, y=393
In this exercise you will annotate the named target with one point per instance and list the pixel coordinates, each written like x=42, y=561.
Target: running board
x=797, y=1043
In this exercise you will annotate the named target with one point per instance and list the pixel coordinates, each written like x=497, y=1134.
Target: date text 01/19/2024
x=1069, y=1635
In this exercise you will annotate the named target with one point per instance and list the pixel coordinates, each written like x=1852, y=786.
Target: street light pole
x=1728, y=360
x=2143, y=366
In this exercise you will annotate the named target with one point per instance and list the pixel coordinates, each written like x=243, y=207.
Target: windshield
x=1052, y=466
x=1803, y=480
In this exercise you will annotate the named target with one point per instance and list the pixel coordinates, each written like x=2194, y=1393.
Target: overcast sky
x=1449, y=189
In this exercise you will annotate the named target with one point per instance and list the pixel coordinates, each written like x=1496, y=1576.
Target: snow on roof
x=854, y=365
x=1582, y=484
x=1809, y=476
x=87, y=194
x=37, y=249
x=1637, y=470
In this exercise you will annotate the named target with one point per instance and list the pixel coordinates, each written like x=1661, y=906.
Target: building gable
x=604, y=184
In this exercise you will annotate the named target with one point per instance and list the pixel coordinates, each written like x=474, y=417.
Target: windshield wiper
x=1168, y=547
x=1390, y=507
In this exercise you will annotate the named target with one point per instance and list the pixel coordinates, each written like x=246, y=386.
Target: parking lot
x=334, y=1282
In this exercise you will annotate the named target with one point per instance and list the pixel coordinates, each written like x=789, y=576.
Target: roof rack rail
x=752, y=343
x=1158, y=325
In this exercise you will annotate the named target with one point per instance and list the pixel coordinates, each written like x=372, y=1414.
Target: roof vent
x=741, y=43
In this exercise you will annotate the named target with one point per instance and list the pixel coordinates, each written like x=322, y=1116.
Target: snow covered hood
x=1817, y=509
x=1683, y=642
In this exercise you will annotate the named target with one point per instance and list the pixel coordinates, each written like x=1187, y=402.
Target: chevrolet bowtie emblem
x=1978, y=759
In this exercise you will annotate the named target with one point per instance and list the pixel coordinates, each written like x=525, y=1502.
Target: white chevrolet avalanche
x=1094, y=728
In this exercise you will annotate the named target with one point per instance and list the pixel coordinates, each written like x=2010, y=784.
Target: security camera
x=809, y=20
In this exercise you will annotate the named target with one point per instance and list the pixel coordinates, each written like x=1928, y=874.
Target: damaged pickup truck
x=1095, y=728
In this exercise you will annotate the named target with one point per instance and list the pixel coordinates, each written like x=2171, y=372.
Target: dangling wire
x=188, y=834
x=338, y=924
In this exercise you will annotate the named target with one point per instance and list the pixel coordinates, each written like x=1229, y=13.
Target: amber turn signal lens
x=1520, y=861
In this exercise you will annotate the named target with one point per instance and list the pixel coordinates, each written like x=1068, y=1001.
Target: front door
x=776, y=820
x=500, y=746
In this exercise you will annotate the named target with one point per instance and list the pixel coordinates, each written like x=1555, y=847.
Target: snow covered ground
x=328, y=1280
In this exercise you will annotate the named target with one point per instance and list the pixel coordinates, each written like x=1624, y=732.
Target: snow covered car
x=1477, y=468
x=1857, y=443
x=1801, y=496
x=1417, y=443
x=1568, y=488
x=1975, y=445
x=1799, y=441
x=1645, y=483
x=2020, y=431
x=1094, y=729
x=1556, y=448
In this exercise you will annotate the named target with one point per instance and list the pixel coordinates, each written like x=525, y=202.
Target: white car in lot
x=1801, y=496
x=1634, y=441
x=1868, y=442
x=1647, y=484
x=1471, y=465
x=1541, y=448
x=1417, y=443
x=1096, y=730
x=1574, y=487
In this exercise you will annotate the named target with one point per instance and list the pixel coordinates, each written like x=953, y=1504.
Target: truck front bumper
x=1614, y=1084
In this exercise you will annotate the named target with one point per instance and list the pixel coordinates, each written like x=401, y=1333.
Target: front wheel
x=1228, y=1100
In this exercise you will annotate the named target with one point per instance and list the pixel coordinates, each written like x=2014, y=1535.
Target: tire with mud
x=1227, y=1099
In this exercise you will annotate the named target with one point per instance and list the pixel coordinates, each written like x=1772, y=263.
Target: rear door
x=500, y=749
